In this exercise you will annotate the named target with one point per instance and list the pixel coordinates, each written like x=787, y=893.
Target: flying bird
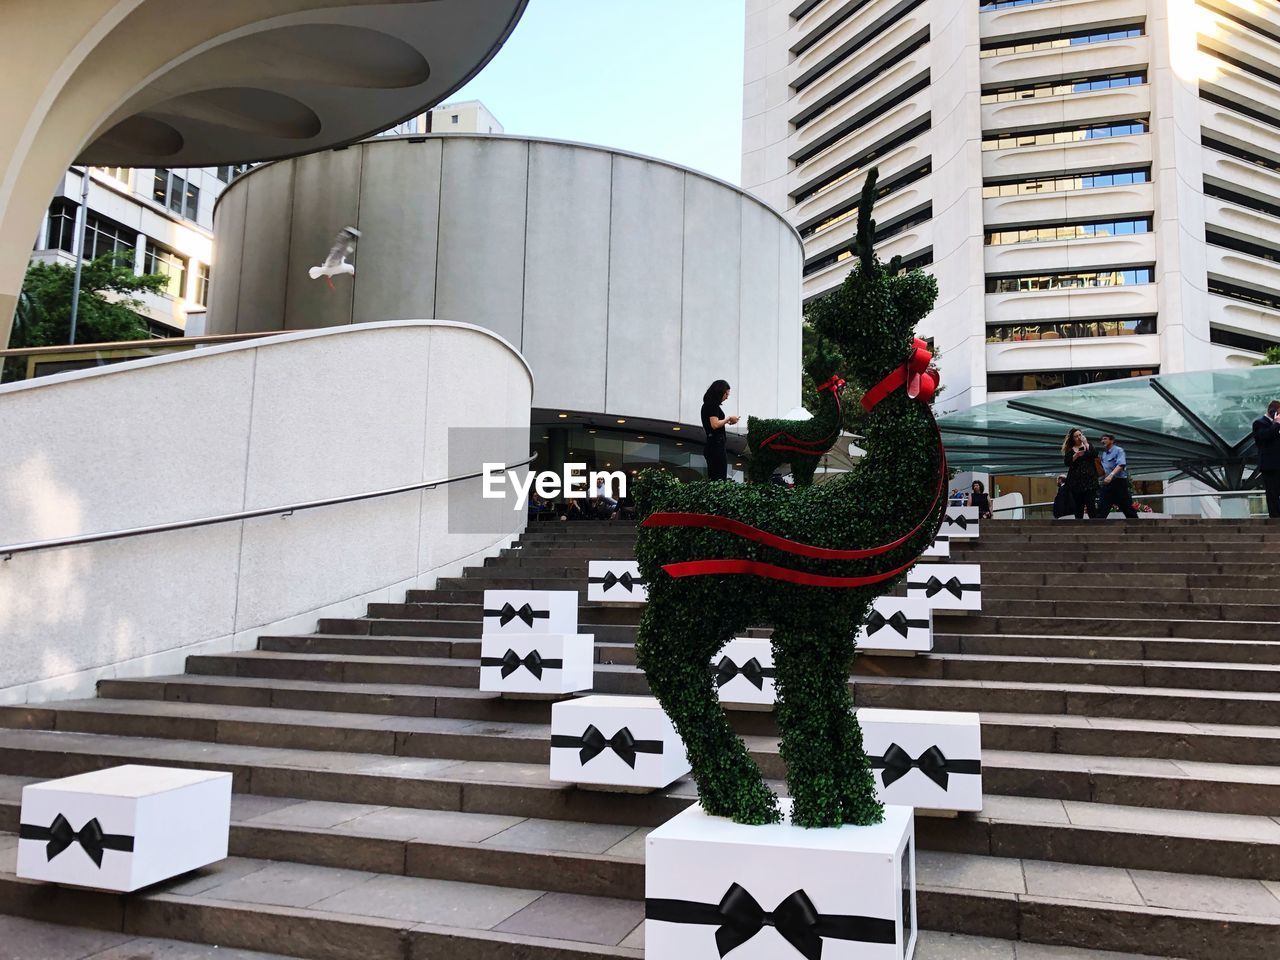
x=344, y=245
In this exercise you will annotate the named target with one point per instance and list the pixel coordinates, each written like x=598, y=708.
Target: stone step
x=617, y=677
x=40, y=940
x=993, y=622
x=1127, y=703
x=1104, y=648
x=328, y=913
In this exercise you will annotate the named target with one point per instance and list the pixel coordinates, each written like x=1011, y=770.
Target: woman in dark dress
x=978, y=498
x=713, y=422
x=1081, y=460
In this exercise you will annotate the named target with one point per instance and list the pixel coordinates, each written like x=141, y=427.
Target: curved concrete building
x=629, y=284
x=188, y=83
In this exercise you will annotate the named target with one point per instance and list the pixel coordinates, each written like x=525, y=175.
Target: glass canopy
x=1171, y=426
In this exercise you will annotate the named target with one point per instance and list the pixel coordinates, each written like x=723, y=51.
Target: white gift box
x=615, y=581
x=959, y=523
x=714, y=888
x=744, y=672
x=615, y=741
x=897, y=624
x=925, y=758
x=947, y=586
x=524, y=612
x=123, y=828
x=538, y=663
x=939, y=549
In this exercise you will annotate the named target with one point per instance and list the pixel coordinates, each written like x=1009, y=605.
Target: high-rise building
x=1095, y=183
x=160, y=218
x=464, y=116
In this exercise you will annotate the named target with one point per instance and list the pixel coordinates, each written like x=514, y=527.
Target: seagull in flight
x=344, y=245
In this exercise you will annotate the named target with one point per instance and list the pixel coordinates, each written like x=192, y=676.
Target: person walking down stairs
x=1115, y=481
x=1266, y=435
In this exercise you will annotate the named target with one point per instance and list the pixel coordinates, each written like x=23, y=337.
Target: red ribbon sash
x=915, y=375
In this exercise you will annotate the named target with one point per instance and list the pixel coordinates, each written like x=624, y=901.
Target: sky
x=659, y=77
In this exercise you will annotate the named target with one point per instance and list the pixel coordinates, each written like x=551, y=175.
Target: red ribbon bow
x=915, y=375
x=835, y=385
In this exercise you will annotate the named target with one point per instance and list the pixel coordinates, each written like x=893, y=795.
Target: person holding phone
x=1266, y=436
x=1081, y=461
x=714, y=422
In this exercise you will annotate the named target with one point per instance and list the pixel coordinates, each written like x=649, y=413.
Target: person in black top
x=1266, y=436
x=978, y=498
x=713, y=422
x=1081, y=460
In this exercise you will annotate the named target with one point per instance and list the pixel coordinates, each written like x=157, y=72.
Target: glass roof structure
x=1172, y=426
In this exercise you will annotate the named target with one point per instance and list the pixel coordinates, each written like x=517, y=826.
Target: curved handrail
x=12, y=549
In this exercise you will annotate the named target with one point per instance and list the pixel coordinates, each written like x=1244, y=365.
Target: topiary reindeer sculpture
x=721, y=557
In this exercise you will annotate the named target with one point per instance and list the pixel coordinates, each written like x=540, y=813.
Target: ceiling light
x=564, y=416
x=622, y=420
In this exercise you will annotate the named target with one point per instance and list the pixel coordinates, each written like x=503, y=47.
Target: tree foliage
x=109, y=303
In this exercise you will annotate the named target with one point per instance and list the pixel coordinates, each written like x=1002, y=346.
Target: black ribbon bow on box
x=511, y=661
x=796, y=919
x=756, y=673
x=877, y=621
x=961, y=521
x=592, y=743
x=61, y=835
x=933, y=586
x=933, y=763
x=525, y=613
x=610, y=579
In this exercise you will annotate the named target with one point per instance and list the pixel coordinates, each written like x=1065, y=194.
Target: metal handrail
x=1148, y=496
x=12, y=549
x=154, y=343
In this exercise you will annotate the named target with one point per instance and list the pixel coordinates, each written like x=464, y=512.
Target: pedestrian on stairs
x=1115, y=480
x=714, y=422
x=1266, y=436
x=1083, y=468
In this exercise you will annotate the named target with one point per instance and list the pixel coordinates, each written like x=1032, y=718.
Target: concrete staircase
x=1128, y=677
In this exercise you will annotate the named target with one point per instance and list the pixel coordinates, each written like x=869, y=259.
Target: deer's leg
x=827, y=773
x=677, y=660
x=802, y=469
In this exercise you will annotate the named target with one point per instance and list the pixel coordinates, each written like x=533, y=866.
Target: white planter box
x=525, y=612
x=740, y=666
x=615, y=741
x=959, y=523
x=844, y=893
x=897, y=624
x=539, y=663
x=940, y=549
x=947, y=586
x=925, y=758
x=124, y=828
x=615, y=581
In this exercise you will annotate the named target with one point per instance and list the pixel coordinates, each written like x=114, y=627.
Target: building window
x=1044, y=138
x=1069, y=231
x=1070, y=330
x=1053, y=379
x=1084, y=181
x=116, y=173
x=1125, y=277
x=1064, y=40
x=166, y=263
x=172, y=191
x=103, y=236
x=1220, y=288
x=884, y=188
x=1241, y=341
x=61, y=234
x=228, y=173
x=1060, y=88
x=1240, y=153
x=859, y=163
x=890, y=230
x=453, y=118
x=1268, y=207
x=202, y=284
x=1003, y=4
x=1260, y=250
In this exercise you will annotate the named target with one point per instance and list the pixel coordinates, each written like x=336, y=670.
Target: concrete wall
x=288, y=419
x=628, y=283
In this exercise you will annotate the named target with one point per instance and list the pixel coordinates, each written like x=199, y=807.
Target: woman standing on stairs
x=1083, y=466
x=713, y=422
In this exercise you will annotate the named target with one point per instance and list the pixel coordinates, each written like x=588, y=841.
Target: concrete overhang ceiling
x=322, y=75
